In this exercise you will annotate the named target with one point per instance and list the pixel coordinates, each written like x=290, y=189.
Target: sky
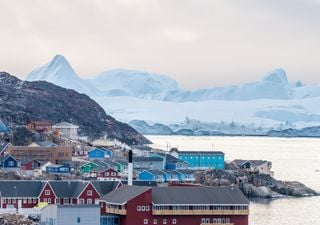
x=200, y=44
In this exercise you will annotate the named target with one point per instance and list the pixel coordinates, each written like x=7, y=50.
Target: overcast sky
x=200, y=43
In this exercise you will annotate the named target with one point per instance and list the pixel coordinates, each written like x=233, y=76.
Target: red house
x=27, y=194
x=105, y=174
x=177, y=205
x=30, y=164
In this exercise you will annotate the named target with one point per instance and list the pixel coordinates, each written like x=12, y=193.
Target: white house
x=67, y=130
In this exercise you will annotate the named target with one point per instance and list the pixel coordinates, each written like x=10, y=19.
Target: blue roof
x=3, y=127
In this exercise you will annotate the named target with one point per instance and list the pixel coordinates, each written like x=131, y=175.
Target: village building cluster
x=96, y=179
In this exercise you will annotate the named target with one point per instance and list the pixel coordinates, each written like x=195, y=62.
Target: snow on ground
x=266, y=112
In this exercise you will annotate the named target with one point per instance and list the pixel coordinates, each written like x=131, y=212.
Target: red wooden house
x=178, y=205
x=27, y=194
x=105, y=174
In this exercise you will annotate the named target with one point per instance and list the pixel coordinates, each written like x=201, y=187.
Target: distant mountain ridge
x=22, y=101
x=145, y=85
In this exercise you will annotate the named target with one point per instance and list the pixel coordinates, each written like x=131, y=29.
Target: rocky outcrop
x=254, y=185
x=22, y=101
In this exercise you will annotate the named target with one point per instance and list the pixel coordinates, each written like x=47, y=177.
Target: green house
x=87, y=168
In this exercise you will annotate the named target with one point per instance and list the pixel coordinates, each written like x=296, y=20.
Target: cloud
x=200, y=43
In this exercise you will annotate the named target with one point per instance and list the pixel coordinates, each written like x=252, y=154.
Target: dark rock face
x=22, y=101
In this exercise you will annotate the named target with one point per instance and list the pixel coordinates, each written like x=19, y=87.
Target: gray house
x=153, y=162
x=70, y=215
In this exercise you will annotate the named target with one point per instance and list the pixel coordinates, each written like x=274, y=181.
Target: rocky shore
x=254, y=184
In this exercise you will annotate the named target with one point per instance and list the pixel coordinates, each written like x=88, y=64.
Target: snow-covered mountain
x=59, y=71
x=135, y=95
x=121, y=82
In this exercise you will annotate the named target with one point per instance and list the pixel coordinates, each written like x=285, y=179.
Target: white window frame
x=81, y=201
x=89, y=201
x=145, y=221
x=155, y=221
x=138, y=208
x=164, y=221
x=89, y=192
x=143, y=208
x=174, y=221
x=47, y=192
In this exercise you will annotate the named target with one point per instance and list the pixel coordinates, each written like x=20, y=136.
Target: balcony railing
x=200, y=212
x=116, y=211
x=217, y=224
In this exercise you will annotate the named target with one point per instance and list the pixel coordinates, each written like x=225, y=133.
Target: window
x=81, y=201
x=47, y=192
x=207, y=220
x=58, y=201
x=113, y=174
x=13, y=200
x=155, y=221
x=145, y=221
x=65, y=201
x=45, y=200
x=89, y=192
x=164, y=221
x=107, y=173
x=11, y=163
x=203, y=220
x=143, y=208
x=30, y=200
x=49, y=200
x=89, y=201
x=9, y=200
x=147, y=208
x=138, y=208
x=174, y=221
x=24, y=200
x=78, y=220
x=34, y=200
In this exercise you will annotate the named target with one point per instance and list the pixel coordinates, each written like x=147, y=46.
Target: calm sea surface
x=294, y=159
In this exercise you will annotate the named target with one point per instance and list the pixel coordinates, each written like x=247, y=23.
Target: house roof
x=142, y=183
x=4, y=146
x=254, y=163
x=147, y=159
x=172, y=172
x=20, y=188
x=197, y=195
x=68, y=189
x=155, y=172
x=124, y=194
x=3, y=127
x=105, y=187
x=197, y=152
x=65, y=125
x=3, y=158
x=46, y=144
x=185, y=171
x=122, y=162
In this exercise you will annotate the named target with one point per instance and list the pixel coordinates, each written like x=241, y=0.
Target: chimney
x=130, y=168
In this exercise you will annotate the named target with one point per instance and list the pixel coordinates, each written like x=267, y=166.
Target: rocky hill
x=22, y=101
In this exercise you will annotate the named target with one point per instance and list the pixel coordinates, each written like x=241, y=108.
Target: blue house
x=152, y=175
x=98, y=153
x=8, y=162
x=58, y=169
x=171, y=176
x=171, y=162
x=200, y=159
x=186, y=175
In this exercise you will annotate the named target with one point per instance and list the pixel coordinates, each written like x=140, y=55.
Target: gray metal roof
x=197, y=195
x=121, y=195
x=68, y=189
x=105, y=187
x=148, y=159
x=142, y=183
x=20, y=188
x=155, y=172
